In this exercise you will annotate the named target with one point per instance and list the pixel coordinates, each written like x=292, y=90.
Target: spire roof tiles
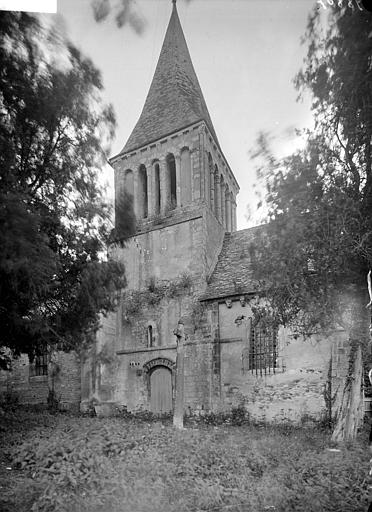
x=175, y=99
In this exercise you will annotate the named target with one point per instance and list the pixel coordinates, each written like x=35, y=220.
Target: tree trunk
x=350, y=411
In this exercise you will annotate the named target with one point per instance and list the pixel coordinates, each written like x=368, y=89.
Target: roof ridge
x=234, y=272
x=223, y=253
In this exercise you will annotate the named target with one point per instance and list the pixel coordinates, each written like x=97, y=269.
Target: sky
x=245, y=53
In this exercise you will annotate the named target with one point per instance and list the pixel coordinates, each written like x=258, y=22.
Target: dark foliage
x=64, y=463
x=54, y=222
x=315, y=252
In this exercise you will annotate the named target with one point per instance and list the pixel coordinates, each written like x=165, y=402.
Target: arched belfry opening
x=142, y=192
x=157, y=190
x=124, y=201
x=171, y=181
x=129, y=182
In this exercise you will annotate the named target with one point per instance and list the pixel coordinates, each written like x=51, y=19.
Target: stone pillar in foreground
x=180, y=365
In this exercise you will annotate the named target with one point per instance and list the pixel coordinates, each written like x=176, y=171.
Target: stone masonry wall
x=164, y=252
x=34, y=390
x=295, y=391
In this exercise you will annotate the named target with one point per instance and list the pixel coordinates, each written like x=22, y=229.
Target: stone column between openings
x=234, y=216
x=228, y=210
x=212, y=191
x=207, y=186
x=177, y=160
x=217, y=195
x=164, y=180
x=135, y=192
x=222, y=192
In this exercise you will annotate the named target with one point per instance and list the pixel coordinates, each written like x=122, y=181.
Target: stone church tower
x=184, y=196
x=186, y=263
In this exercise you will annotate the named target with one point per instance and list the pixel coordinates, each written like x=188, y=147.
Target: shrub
x=53, y=401
x=144, y=465
x=9, y=400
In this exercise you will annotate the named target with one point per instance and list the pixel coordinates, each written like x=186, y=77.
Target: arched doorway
x=161, y=401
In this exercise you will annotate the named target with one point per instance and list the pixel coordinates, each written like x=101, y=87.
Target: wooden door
x=161, y=390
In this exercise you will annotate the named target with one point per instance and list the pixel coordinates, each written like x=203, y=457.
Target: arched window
x=157, y=193
x=150, y=336
x=129, y=182
x=185, y=176
x=124, y=200
x=172, y=181
x=142, y=192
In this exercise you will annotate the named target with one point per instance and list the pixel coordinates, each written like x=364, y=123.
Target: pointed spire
x=175, y=99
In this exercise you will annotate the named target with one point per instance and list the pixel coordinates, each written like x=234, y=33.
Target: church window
x=150, y=336
x=157, y=188
x=262, y=357
x=171, y=168
x=143, y=194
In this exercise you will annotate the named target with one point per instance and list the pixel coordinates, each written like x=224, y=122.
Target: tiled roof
x=233, y=272
x=175, y=99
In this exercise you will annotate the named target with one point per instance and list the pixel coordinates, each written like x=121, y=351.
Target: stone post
x=177, y=159
x=179, y=331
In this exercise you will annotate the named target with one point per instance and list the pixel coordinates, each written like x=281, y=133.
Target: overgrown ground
x=65, y=463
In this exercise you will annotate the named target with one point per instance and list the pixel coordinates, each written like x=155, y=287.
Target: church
x=187, y=263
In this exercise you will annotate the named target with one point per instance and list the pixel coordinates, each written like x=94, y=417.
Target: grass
x=65, y=463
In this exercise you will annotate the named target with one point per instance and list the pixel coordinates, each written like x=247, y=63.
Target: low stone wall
x=28, y=389
x=294, y=392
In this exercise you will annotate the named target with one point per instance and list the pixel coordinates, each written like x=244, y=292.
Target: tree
x=125, y=12
x=54, y=221
x=316, y=249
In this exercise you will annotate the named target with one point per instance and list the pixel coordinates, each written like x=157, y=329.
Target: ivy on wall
x=133, y=301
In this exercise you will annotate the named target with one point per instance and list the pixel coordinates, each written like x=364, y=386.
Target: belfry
x=172, y=158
